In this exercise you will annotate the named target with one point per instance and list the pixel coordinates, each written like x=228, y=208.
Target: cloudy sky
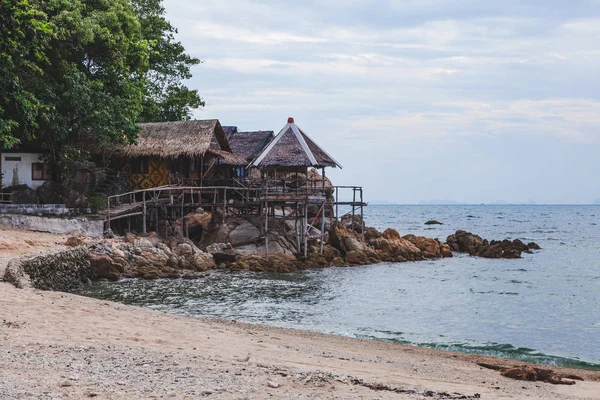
x=470, y=101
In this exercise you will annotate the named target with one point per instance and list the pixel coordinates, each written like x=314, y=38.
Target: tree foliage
x=166, y=97
x=24, y=32
x=88, y=69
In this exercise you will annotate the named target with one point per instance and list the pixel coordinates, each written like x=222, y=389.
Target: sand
x=63, y=346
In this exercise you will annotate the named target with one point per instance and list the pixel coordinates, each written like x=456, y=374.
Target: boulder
x=392, y=248
x=465, y=242
x=430, y=248
x=197, y=223
x=222, y=252
x=74, y=241
x=243, y=234
x=22, y=194
x=445, y=251
x=103, y=267
x=54, y=193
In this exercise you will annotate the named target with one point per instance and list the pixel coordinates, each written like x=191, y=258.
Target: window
x=241, y=172
x=41, y=171
x=8, y=158
x=139, y=166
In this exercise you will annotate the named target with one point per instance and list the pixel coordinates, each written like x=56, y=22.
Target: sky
x=419, y=100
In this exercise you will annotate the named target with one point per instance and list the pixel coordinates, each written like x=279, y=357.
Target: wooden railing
x=5, y=198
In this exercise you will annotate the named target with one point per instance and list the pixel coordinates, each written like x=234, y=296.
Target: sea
x=542, y=308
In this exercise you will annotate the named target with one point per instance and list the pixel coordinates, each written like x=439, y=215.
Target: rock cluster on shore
x=233, y=242
x=466, y=242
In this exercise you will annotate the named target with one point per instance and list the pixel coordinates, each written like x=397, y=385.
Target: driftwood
x=533, y=374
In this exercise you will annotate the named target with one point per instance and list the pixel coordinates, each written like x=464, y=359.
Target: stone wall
x=64, y=226
x=63, y=271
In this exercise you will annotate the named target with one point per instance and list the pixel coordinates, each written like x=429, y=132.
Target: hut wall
x=148, y=172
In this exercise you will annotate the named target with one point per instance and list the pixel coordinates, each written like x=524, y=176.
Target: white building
x=24, y=169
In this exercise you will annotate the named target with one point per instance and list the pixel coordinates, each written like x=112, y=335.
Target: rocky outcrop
x=466, y=242
x=55, y=193
x=63, y=271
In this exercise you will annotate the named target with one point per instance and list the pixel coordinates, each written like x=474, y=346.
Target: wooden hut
x=290, y=154
x=184, y=152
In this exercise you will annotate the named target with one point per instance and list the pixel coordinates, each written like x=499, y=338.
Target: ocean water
x=543, y=308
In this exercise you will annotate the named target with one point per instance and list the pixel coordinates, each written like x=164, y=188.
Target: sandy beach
x=57, y=345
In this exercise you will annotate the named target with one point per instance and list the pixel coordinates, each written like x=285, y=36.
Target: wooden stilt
x=266, y=227
x=305, y=229
x=145, y=213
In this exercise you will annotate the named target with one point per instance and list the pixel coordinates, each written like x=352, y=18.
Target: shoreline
x=87, y=347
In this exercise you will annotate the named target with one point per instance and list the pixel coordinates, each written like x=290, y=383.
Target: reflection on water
x=541, y=308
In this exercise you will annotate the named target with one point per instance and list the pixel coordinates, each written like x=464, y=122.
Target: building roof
x=229, y=130
x=294, y=148
x=249, y=144
x=182, y=138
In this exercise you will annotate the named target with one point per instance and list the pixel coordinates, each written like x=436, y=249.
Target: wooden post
x=353, y=205
x=267, y=227
x=323, y=227
x=145, y=213
x=305, y=229
x=296, y=230
x=362, y=219
x=182, y=212
x=108, y=212
x=337, y=200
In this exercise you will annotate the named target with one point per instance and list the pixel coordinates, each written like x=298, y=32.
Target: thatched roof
x=294, y=148
x=229, y=130
x=182, y=138
x=249, y=144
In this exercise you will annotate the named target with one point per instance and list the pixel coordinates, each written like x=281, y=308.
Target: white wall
x=19, y=172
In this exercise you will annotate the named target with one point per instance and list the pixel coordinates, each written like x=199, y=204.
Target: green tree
x=166, y=98
x=24, y=33
x=93, y=85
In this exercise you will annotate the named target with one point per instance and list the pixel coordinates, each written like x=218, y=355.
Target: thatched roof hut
x=182, y=139
x=249, y=144
x=293, y=148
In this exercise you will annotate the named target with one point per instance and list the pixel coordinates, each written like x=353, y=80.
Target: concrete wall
x=41, y=210
x=19, y=172
x=63, y=226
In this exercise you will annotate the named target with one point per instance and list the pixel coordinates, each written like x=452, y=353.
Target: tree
x=24, y=33
x=166, y=98
x=73, y=70
x=93, y=84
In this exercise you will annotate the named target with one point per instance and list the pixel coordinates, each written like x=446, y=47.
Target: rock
x=74, y=241
x=533, y=246
x=465, y=242
x=15, y=275
x=103, y=267
x=430, y=248
x=445, y=251
x=55, y=193
x=197, y=223
x=392, y=248
x=201, y=261
x=433, y=222
x=22, y=194
x=353, y=244
x=243, y=234
x=273, y=384
x=476, y=246
x=109, y=234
